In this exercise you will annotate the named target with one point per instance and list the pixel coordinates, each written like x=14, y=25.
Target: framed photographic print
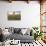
x=15, y=15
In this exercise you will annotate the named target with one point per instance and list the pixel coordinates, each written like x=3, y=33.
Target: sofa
x=22, y=34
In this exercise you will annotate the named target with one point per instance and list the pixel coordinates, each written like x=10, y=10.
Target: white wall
x=30, y=14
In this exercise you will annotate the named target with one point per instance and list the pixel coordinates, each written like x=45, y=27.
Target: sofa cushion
x=11, y=29
x=17, y=30
x=20, y=37
x=23, y=31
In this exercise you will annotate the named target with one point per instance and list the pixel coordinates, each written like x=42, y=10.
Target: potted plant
x=37, y=33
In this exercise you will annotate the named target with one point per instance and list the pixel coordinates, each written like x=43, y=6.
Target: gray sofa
x=17, y=35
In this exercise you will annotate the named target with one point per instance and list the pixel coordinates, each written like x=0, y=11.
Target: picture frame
x=14, y=15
